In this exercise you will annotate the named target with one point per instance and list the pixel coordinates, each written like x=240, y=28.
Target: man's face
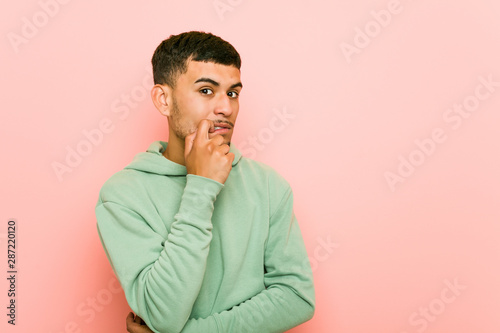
x=206, y=91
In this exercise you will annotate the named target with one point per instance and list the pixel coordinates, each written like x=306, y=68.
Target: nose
x=223, y=105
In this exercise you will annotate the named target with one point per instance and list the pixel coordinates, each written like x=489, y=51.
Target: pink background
x=384, y=254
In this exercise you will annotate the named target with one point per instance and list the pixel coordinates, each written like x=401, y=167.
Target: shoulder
x=122, y=187
x=263, y=170
x=266, y=176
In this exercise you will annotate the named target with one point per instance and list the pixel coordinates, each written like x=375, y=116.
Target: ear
x=161, y=94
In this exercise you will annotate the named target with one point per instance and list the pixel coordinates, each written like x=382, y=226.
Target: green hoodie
x=195, y=255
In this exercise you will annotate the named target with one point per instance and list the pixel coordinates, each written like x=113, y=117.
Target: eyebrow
x=215, y=83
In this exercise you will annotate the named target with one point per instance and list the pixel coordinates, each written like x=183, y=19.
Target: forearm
x=289, y=299
x=276, y=309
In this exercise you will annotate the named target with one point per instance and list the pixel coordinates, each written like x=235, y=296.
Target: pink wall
x=389, y=137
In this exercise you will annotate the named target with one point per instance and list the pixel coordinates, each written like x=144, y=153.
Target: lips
x=221, y=125
x=220, y=128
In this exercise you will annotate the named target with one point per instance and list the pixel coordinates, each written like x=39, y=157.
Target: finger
x=230, y=157
x=218, y=140
x=129, y=321
x=204, y=127
x=224, y=149
x=139, y=320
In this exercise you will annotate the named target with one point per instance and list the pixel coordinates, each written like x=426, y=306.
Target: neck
x=175, y=150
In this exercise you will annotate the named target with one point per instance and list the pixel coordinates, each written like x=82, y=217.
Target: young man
x=201, y=238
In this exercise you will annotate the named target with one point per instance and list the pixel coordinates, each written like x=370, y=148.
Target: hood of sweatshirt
x=153, y=161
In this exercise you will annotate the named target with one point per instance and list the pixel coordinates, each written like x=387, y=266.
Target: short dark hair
x=171, y=56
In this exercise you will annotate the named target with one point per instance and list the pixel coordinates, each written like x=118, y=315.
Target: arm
x=288, y=299
x=161, y=277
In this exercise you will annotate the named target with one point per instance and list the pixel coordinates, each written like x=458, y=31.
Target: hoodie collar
x=153, y=161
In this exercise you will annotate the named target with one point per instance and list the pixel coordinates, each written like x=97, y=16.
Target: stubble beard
x=177, y=124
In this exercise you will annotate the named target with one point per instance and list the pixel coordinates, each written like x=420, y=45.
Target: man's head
x=197, y=76
x=171, y=57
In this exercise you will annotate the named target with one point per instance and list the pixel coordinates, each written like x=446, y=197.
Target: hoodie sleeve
x=161, y=277
x=288, y=299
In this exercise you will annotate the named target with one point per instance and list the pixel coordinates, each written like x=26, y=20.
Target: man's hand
x=207, y=157
x=136, y=325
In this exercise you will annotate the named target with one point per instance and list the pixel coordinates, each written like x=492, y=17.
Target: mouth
x=220, y=128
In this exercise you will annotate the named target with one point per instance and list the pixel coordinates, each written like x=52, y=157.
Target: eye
x=234, y=94
x=206, y=91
